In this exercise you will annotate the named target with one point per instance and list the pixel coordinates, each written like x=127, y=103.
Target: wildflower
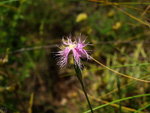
x=81, y=17
x=77, y=49
x=117, y=26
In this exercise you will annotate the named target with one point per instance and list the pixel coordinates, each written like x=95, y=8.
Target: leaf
x=8, y=1
x=30, y=103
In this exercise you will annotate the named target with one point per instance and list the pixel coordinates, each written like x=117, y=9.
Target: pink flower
x=76, y=47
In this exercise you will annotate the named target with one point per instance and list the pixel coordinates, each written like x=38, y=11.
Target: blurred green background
x=30, y=30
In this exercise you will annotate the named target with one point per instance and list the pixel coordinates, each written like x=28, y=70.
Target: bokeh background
x=31, y=30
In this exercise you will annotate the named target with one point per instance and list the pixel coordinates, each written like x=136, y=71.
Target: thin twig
x=56, y=45
x=127, y=76
x=32, y=48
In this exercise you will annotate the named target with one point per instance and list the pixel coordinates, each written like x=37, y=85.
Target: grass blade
x=127, y=98
x=142, y=108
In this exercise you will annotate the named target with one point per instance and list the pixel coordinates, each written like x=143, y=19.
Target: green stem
x=119, y=90
x=86, y=95
x=79, y=76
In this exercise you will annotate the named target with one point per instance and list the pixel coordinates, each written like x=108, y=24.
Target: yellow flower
x=81, y=17
x=116, y=26
x=111, y=13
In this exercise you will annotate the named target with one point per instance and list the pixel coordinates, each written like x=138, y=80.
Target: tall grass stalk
x=127, y=98
x=119, y=91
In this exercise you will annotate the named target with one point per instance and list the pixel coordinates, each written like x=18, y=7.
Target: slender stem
x=119, y=90
x=86, y=94
x=79, y=76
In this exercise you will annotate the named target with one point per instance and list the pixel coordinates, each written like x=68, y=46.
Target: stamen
x=71, y=46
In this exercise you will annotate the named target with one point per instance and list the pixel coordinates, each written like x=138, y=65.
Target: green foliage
x=30, y=29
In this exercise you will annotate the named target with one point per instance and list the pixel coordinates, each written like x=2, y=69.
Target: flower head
x=77, y=49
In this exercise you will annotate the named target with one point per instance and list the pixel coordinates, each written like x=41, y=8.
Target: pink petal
x=63, y=57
